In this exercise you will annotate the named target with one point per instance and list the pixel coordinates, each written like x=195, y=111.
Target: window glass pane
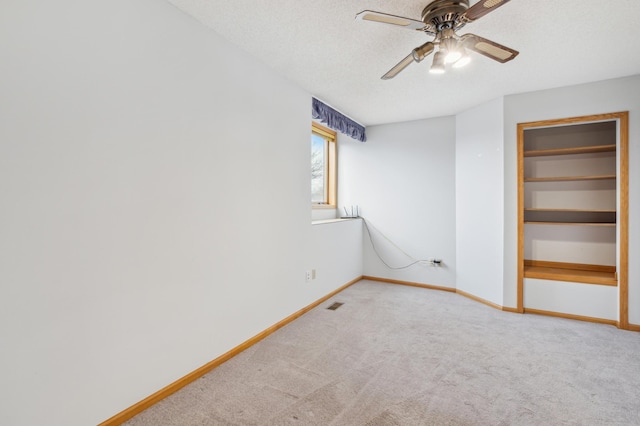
x=318, y=169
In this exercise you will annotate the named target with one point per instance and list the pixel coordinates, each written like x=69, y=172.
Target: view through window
x=323, y=165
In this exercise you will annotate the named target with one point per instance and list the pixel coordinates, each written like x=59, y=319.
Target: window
x=323, y=167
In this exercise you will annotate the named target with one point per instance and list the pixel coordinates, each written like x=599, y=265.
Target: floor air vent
x=335, y=306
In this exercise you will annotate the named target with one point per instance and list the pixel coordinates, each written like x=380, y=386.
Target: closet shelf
x=569, y=178
x=570, y=210
x=529, y=222
x=589, y=275
x=584, y=217
x=569, y=151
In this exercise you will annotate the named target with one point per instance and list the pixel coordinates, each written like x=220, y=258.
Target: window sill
x=322, y=222
x=322, y=206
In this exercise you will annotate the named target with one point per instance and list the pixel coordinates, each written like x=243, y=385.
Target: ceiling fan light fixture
x=453, y=53
x=421, y=52
x=452, y=57
x=437, y=67
x=464, y=59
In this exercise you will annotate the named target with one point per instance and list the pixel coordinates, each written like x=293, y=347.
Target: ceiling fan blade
x=488, y=48
x=385, y=18
x=481, y=8
x=399, y=67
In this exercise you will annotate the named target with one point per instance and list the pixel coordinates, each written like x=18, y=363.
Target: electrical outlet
x=310, y=275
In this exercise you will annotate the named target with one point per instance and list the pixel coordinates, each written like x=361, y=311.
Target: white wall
x=155, y=193
x=403, y=180
x=479, y=201
x=336, y=255
x=602, y=97
x=323, y=214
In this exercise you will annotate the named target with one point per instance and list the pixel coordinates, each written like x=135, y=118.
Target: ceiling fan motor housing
x=444, y=14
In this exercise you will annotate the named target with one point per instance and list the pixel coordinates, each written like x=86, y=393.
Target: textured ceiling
x=321, y=47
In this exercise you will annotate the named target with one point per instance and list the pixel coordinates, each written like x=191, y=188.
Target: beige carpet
x=397, y=355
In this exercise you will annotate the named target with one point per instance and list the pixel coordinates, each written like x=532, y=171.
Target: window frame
x=331, y=181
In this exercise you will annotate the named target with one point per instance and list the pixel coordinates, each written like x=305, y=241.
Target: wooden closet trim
x=623, y=274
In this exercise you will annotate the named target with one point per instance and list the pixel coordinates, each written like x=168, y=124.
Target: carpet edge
x=152, y=399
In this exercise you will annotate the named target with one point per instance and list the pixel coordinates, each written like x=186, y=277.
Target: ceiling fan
x=441, y=18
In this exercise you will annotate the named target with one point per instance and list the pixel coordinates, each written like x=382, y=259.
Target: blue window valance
x=337, y=121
